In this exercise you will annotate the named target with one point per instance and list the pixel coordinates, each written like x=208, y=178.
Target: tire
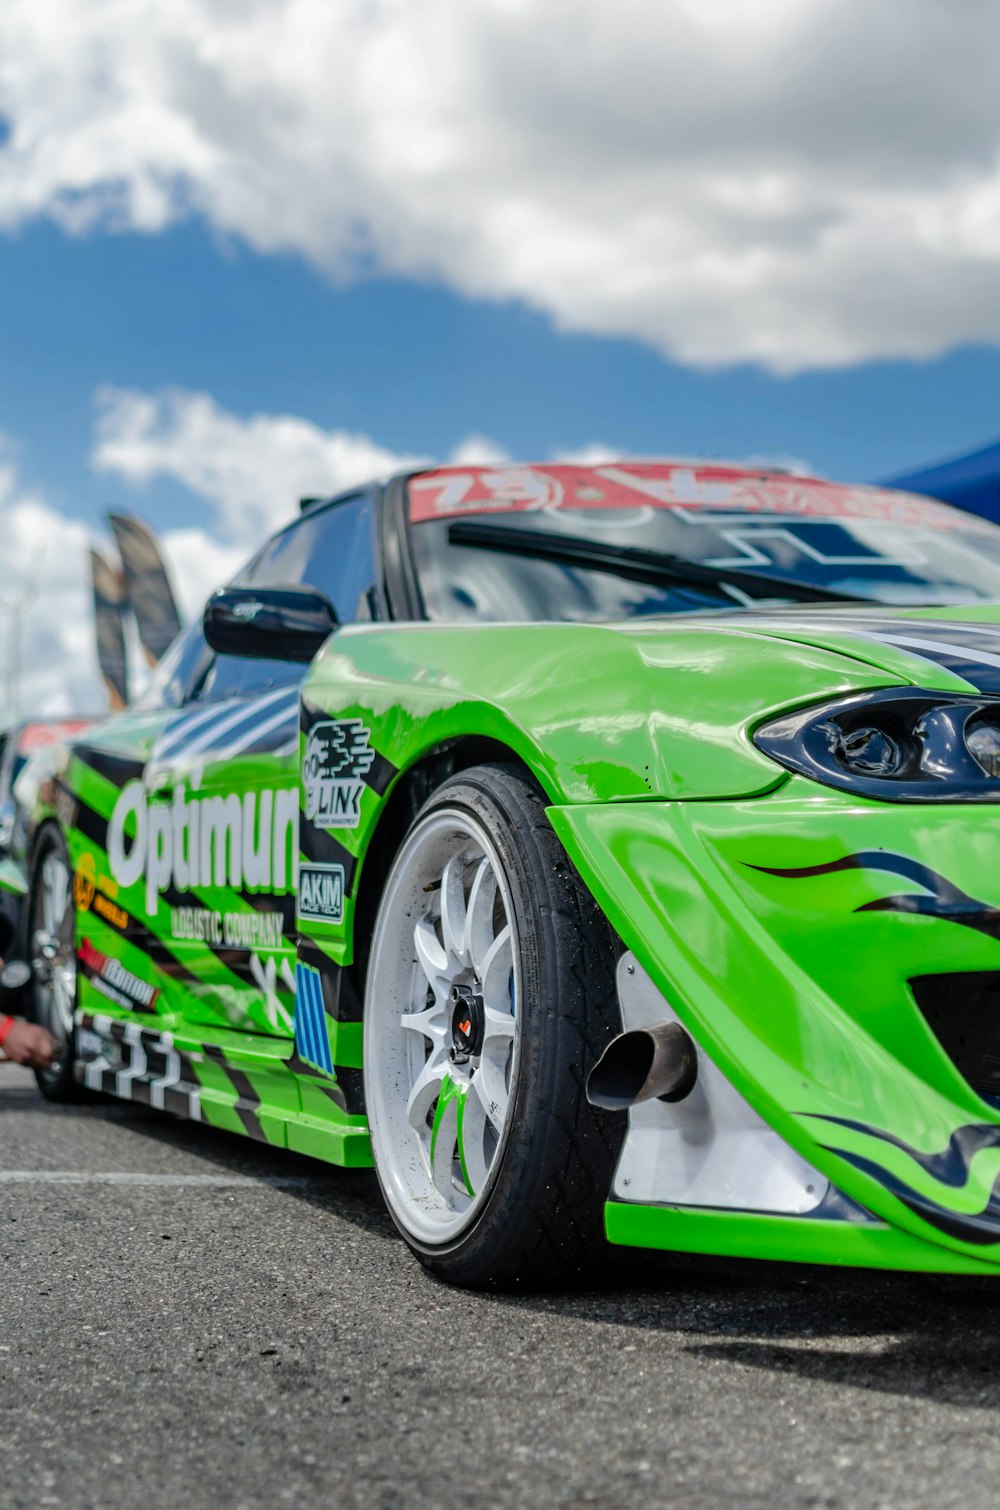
x=51, y=937
x=487, y=935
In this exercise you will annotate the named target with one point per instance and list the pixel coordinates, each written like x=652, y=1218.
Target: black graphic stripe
x=321, y=847
x=237, y=960
x=300, y=1066
x=945, y=643
x=979, y=1227
x=865, y=859
x=247, y=1100
x=269, y=901
x=944, y=899
x=310, y=714
x=949, y=1167
x=382, y=772
x=89, y=822
x=259, y=901
x=118, y=769
x=176, y=1098
x=381, y=775
x=341, y=1001
x=157, y=952
x=147, y=943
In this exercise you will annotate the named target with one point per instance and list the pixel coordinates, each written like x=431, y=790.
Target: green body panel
x=726, y=1234
x=802, y=1000
x=215, y=952
x=212, y=993
x=641, y=737
x=597, y=713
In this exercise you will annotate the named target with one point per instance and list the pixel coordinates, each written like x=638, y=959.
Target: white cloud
x=595, y=455
x=47, y=662
x=249, y=471
x=795, y=182
x=198, y=562
x=253, y=471
x=479, y=451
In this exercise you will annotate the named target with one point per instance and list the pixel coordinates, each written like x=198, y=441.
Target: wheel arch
x=407, y=795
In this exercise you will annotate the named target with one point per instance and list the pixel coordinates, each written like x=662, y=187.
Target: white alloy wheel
x=442, y=1026
x=53, y=949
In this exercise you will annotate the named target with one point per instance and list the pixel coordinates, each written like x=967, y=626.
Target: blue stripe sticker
x=311, y=1038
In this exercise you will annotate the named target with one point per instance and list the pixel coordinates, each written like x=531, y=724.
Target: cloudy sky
x=253, y=248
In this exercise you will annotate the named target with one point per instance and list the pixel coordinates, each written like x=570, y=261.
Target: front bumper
x=785, y=931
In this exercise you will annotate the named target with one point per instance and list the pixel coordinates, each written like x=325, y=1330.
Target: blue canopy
x=972, y=482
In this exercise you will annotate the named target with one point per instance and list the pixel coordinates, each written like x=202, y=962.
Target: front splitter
x=795, y=1239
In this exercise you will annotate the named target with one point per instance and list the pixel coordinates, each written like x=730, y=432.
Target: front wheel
x=490, y=995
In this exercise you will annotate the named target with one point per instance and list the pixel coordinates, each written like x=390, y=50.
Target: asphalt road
x=188, y=1319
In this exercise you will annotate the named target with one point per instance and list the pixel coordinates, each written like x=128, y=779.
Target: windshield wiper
x=658, y=568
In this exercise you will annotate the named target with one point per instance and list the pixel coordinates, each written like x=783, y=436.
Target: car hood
x=954, y=649
x=654, y=708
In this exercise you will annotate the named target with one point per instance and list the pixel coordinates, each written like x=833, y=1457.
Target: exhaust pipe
x=660, y=1062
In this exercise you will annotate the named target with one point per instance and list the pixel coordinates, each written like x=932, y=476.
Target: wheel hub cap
x=468, y=1025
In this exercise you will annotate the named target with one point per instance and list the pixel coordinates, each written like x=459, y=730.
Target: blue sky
x=415, y=366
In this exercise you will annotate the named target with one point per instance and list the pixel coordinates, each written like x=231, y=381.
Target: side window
x=332, y=551
x=241, y=676
x=180, y=667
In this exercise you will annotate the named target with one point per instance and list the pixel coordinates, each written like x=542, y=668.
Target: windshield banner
x=680, y=487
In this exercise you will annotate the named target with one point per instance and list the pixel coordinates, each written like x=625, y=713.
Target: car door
x=222, y=789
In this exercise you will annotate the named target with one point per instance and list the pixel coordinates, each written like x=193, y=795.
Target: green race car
x=597, y=850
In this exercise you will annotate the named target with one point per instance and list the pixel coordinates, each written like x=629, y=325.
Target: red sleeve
x=6, y=1023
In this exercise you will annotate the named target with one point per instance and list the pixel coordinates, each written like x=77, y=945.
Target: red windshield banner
x=451, y=492
x=39, y=736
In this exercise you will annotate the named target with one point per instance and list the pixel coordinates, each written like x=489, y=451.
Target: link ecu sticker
x=337, y=759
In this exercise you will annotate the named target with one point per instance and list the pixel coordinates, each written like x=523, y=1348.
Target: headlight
x=900, y=745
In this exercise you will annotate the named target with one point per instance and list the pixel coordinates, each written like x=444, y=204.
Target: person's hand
x=27, y=1043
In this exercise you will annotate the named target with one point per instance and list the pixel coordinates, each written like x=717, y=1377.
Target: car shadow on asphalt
x=934, y=1337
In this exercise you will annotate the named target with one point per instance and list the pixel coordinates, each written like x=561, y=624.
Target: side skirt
x=276, y=1100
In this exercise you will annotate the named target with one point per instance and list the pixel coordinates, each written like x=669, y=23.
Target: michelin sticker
x=119, y=985
x=321, y=893
x=337, y=759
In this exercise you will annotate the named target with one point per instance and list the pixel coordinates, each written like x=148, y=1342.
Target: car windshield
x=633, y=539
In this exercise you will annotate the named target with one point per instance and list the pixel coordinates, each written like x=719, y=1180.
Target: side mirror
x=269, y=623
